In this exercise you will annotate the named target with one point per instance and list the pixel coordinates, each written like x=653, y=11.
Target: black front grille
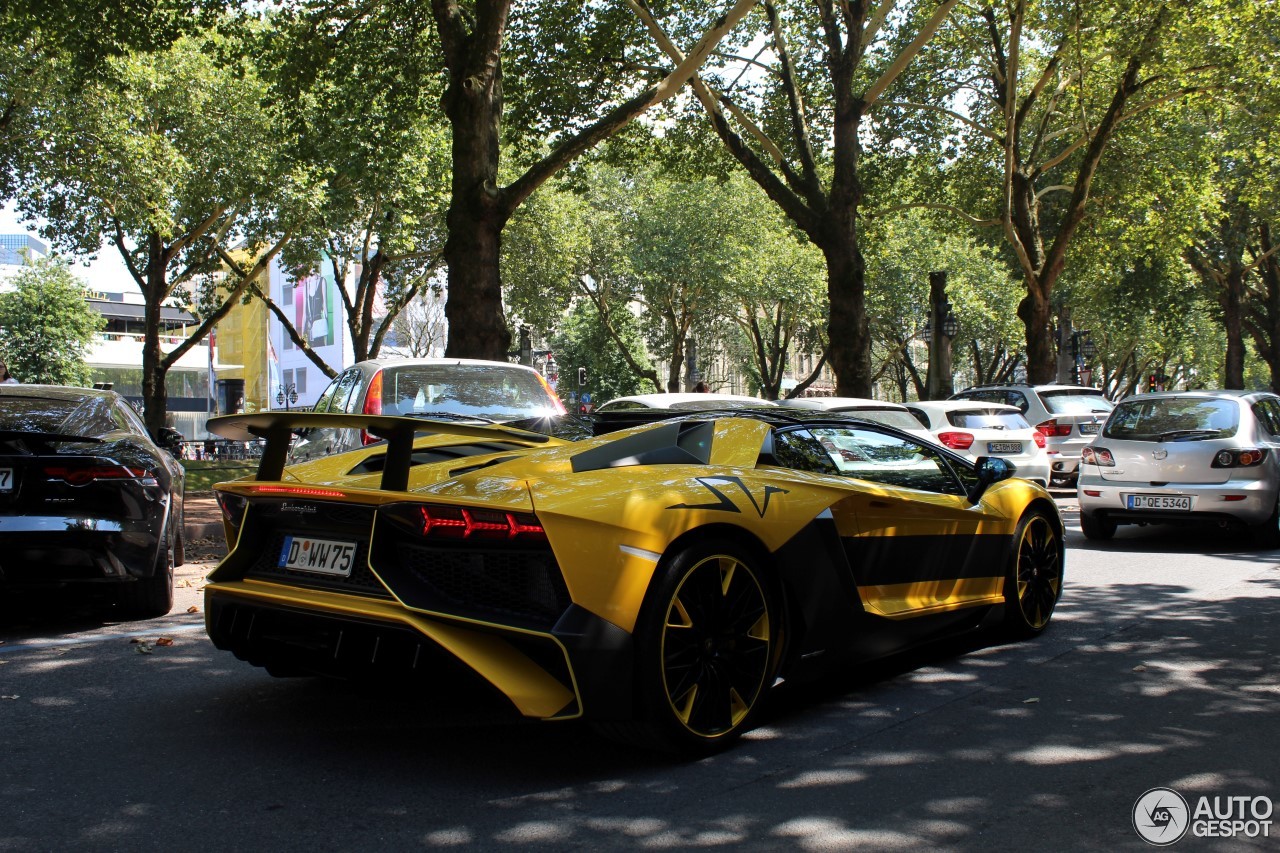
x=505, y=584
x=361, y=581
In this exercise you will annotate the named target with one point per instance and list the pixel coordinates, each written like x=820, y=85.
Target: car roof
x=1214, y=393
x=954, y=405
x=56, y=392
x=1050, y=386
x=410, y=363
x=666, y=401
x=838, y=403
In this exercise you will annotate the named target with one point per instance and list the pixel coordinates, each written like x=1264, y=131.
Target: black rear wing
x=277, y=429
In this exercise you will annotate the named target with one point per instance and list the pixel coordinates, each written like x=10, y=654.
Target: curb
x=192, y=531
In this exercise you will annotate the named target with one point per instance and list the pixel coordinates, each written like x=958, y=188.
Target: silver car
x=457, y=389
x=1180, y=456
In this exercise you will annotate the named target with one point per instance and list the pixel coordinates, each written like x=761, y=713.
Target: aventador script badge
x=724, y=503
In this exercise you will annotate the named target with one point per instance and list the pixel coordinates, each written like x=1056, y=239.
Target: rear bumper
x=582, y=666
x=46, y=550
x=1248, y=502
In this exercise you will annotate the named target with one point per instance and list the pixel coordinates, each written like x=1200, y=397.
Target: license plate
x=6, y=479
x=1004, y=446
x=1177, y=502
x=322, y=556
x=1088, y=429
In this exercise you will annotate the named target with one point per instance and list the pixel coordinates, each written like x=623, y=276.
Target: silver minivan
x=1179, y=456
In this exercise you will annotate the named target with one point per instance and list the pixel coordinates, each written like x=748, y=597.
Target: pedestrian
x=702, y=388
x=6, y=378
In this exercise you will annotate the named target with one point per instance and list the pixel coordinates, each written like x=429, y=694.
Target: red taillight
x=1038, y=438
x=1053, y=429
x=301, y=491
x=1238, y=458
x=956, y=440
x=372, y=406
x=373, y=396
x=456, y=522
x=82, y=476
x=1097, y=456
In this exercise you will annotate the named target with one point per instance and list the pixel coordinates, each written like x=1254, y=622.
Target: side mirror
x=170, y=439
x=990, y=469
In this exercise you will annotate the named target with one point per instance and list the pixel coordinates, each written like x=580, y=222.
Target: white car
x=986, y=429
x=687, y=402
x=1067, y=415
x=880, y=411
x=1178, y=457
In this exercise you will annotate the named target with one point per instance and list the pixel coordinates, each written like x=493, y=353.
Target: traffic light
x=582, y=376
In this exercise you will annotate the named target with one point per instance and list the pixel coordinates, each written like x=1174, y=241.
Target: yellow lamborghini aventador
x=658, y=580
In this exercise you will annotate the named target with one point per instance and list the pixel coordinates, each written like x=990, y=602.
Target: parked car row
x=1173, y=457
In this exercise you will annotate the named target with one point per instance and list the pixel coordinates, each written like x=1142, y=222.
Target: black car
x=87, y=496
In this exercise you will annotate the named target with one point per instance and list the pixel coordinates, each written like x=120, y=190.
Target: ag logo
x=1161, y=816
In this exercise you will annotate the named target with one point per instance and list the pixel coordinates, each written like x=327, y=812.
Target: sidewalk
x=201, y=517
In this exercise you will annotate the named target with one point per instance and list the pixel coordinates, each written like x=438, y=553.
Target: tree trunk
x=1233, y=316
x=155, y=405
x=1269, y=314
x=473, y=103
x=1035, y=311
x=848, y=331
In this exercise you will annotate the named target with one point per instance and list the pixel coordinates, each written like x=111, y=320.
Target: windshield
x=478, y=391
x=987, y=419
x=1075, y=402
x=1173, y=419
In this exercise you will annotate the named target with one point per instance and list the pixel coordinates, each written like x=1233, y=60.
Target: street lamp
x=288, y=394
x=939, y=329
x=950, y=325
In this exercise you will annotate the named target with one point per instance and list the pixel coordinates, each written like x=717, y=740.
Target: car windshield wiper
x=449, y=416
x=1185, y=434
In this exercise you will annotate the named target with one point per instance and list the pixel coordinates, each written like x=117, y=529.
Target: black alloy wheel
x=708, y=645
x=1034, y=582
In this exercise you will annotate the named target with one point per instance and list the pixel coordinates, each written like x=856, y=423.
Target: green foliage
x=583, y=342
x=47, y=326
x=902, y=251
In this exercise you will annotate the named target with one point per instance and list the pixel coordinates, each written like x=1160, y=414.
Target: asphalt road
x=1159, y=670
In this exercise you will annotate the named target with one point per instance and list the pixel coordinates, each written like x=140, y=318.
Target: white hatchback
x=986, y=429
x=1180, y=456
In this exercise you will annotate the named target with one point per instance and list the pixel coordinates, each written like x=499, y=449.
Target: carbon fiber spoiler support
x=277, y=429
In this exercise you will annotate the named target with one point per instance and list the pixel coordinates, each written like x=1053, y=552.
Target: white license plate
x=1177, y=502
x=6, y=479
x=1004, y=446
x=322, y=556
